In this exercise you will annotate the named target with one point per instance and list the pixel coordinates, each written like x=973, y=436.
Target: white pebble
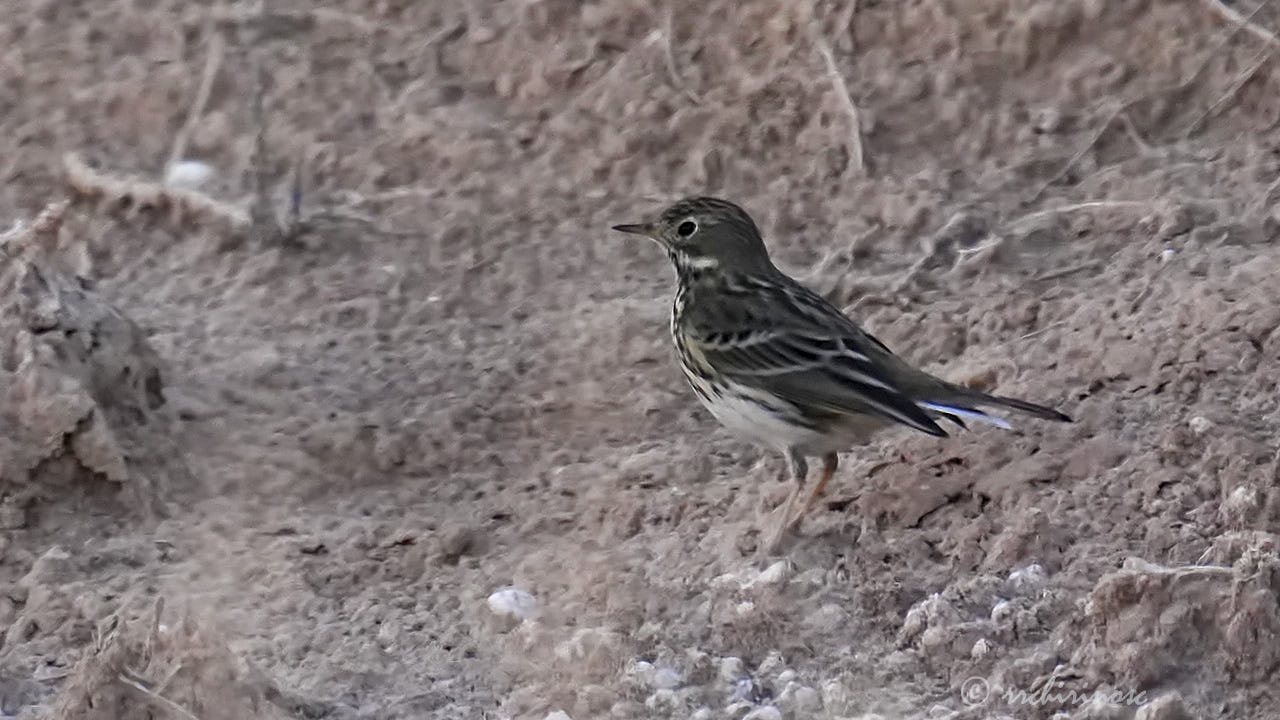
x=1002, y=611
x=512, y=602
x=558, y=715
x=742, y=689
x=1028, y=579
x=981, y=649
x=772, y=664
x=731, y=669
x=914, y=623
x=388, y=632
x=775, y=574
x=190, y=174
x=768, y=712
x=785, y=677
x=1200, y=425
x=641, y=670
x=702, y=714
x=738, y=709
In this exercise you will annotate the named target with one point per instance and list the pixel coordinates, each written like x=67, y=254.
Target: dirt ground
x=377, y=419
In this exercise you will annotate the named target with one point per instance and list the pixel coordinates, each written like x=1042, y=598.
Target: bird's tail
x=960, y=404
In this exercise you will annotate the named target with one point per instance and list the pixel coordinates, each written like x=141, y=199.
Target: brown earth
x=258, y=466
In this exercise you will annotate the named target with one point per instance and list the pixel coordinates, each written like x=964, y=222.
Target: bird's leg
x=829, y=463
x=799, y=470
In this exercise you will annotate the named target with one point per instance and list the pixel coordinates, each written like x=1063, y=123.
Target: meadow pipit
x=776, y=363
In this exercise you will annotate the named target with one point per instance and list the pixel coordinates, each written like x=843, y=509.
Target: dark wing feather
x=781, y=337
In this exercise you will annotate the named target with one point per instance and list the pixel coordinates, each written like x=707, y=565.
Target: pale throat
x=693, y=263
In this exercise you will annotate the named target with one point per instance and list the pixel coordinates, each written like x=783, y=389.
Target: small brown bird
x=776, y=363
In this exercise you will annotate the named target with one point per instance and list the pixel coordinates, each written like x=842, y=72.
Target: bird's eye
x=687, y=228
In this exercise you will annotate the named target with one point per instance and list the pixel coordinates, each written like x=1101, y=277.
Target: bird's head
x=706, y=234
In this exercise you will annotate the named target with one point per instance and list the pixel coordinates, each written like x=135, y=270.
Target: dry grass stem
x=1244, y=22
x=673, y=70
x=213, y=60
x=842, y=92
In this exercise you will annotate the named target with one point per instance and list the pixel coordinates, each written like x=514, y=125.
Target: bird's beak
x=637, y=229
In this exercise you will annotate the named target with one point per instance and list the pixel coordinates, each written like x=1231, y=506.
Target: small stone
x=935, y=638
x=1200, y=425
x=1165, y=707
x=807, y=700
x=189, y=174
x=1177, y=220
x=775, y=574
x=558, y=715
x=768, y=712
x=827, y=619
x=665, y=702
x=702, y=714
x=1047, y=120
x=1002, y=611
x=941, y=712
x=388, y=632
x=914, y=623
x=512, y=602
x=836, y=698
x=699, y=667
x=738, y=709
x=627, y=709
x=981, y=649
x=743, y=689
x=1028, y=579
x=732, y=669
x=641, y=671
x=785, y=677
x=771, y=665
x=799, y=700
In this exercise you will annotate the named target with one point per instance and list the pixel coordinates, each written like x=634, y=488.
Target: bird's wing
x=786, y=340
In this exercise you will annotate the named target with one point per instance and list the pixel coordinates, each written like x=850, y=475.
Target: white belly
x=750, y=421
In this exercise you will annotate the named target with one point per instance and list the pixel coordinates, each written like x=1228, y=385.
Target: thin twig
x=842, y=92
x=85, y=180
x=1260, y=59
x=1046, y=328
x=262, y=212
x=1064, y=272
x=212, y=61
x=1261, y=203
x=1070, y=163
x=1240, y=22
x=668, y=36
x=1244, y=22
x=1091, y=205
x=1143, y=146
x=157, y=698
